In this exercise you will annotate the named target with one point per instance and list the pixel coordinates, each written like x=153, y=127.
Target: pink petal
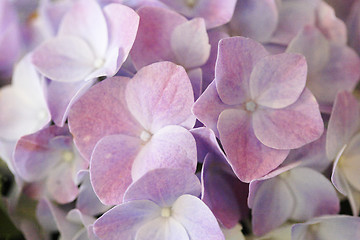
x=290, y=127
x=86, y=20
x=272, y=206
x=161, y=94
x=190, y=43
x=110, y=167
x=196, y=218
x=170, y=147
x=64, y=59
x=353, y=26
x=255, y=19
x=123, y=221
x=208, y=107
x=93, y=117
x=153, y=42
x=120, y=19
x=343, y=123
x=163, y=186
x=278, y=80
x=237, y=57
x=248, y=157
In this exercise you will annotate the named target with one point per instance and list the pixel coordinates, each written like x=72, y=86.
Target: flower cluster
x=180, y=119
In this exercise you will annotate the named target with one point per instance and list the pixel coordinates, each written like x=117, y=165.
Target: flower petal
x=290, y=127
x=160, y=229
x=93, y=117
x=163, y=186
x=190, y=43
x=343, y=123
x=272, y=206
x=196, y=218
x=171, y=147
x=123, y=221
x=64, y=59
x=86, y=21
x=110, y=167
x=161, y=94
x=278, y=80
x=236, y=59
x=248, y=157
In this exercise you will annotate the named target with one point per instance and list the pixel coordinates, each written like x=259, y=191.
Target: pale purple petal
x=237, y=57
x=93, y=117
x=255, y=19
x=208, y=107
x=328, y=227
x=248, y=157
x=121, y=20
x=290, y=127
x=67, y=229
x=196, y=218
x=343, y=123
x=353, y=25
x=195, y=76
x=190, y=43
x=163, y=186
x=61, y=185
x=123, y=221
x=110, y=167
x=86, y=20
x=61, y=96
x=278, y=80
x=313, y=193
x=171, y=147
x=161, y=94
x=223, y=192
x=162, y=228
x=34, y=156
x=87, y=201
x=152, y=42
x=272, y=205
x=64, y=59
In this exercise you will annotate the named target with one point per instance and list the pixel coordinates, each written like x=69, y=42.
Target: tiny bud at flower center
x=250, y=106
x=190, y=3
x=145, y=136
x=99, y=63
x=165, y=212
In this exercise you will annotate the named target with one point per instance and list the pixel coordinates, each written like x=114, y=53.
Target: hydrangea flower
x=259, y=107
x=148, y=116
x=91, y=42
x=49, y=155
x=162, y=205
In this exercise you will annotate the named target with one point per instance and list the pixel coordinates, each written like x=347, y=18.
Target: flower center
x=190, y=3
x=68, y=156
x=166, y=212
x=99, y=62
x=145, y=136
x=250, y=106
